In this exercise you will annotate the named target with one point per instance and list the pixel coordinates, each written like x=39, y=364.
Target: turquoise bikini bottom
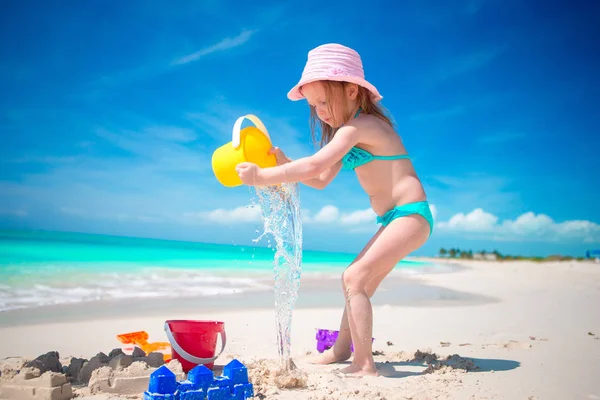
x=420, y=207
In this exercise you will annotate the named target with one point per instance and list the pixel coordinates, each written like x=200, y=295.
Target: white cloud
x=529, y=223
x=358, y=217
x=330, y=214
x=239, y=215
x=526, y=226
x=327, y=214
x=224, y=44
x=477, y=220
x=152, y=68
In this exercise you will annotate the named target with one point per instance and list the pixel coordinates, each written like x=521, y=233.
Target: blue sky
x=110, y=111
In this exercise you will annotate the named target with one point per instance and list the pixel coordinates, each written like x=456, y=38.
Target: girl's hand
x=249, y=173
x=279, y=156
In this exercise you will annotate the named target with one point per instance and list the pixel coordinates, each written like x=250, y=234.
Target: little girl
x=355, y=135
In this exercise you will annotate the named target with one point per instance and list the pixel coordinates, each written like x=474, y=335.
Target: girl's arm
x=325, y=178
x=318, y=182
x=307, y=168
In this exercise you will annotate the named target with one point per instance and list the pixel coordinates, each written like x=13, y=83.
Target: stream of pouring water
x=280, y=207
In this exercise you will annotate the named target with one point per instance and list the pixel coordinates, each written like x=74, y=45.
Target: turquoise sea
x=40, y=268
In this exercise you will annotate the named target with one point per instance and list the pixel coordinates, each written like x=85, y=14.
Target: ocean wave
x=148, y=283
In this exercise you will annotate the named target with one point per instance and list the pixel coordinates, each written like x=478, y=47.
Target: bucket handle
x=187, y=356
x=235, y=135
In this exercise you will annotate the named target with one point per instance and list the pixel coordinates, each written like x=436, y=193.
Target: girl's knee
x=353, y=279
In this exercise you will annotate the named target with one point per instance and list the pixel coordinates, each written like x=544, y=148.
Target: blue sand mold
x=201, y=384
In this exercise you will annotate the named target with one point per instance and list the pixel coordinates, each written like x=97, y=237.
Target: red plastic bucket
x=195, y=342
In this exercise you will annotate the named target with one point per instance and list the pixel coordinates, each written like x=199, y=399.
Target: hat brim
x=295, y=94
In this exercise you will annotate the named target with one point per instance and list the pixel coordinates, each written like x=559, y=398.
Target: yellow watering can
x=251, y=144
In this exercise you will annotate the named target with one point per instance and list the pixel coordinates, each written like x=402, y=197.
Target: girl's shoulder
x=373, y=125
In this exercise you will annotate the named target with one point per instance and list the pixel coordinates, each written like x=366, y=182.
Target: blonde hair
x=333, y=90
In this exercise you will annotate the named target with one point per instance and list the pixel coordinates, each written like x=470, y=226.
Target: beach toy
x=326, y=339
x=162, y=384
x=195, y=342
x=140, y=339
x=201, y=384
x=251, y=144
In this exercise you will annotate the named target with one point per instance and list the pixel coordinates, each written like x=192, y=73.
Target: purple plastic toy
x=326, y=339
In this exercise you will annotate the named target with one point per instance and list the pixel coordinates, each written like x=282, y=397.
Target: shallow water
x=280, y=207
x=46, y=268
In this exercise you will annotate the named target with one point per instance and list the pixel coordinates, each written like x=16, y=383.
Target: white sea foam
x=146, y=283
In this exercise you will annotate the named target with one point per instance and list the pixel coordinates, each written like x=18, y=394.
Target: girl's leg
x=401, y=237
x=341, y=349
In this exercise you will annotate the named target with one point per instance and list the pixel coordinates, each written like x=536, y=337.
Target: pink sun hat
x=333, y=62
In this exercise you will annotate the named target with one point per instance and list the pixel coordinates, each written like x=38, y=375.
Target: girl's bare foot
x=355, y=370
x=332, y=356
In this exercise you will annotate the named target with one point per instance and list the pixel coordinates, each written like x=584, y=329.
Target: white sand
x=530, y=342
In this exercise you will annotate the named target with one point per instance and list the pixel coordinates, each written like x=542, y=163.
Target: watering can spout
x=251, y=144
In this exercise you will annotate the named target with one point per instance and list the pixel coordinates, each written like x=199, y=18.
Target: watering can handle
x=235, y=135
x=187, y=356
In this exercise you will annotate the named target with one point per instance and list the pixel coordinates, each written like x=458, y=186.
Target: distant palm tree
x=452, y=253
x=443, y=252
x=466, y=254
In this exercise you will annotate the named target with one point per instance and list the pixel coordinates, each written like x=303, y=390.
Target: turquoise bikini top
x=357, y=156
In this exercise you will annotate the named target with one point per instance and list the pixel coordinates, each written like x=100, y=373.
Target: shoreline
x=317, y=290
x=406, y=286
x=44, y=283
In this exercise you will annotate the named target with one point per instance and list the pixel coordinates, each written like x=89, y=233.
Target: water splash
x=280, y=208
